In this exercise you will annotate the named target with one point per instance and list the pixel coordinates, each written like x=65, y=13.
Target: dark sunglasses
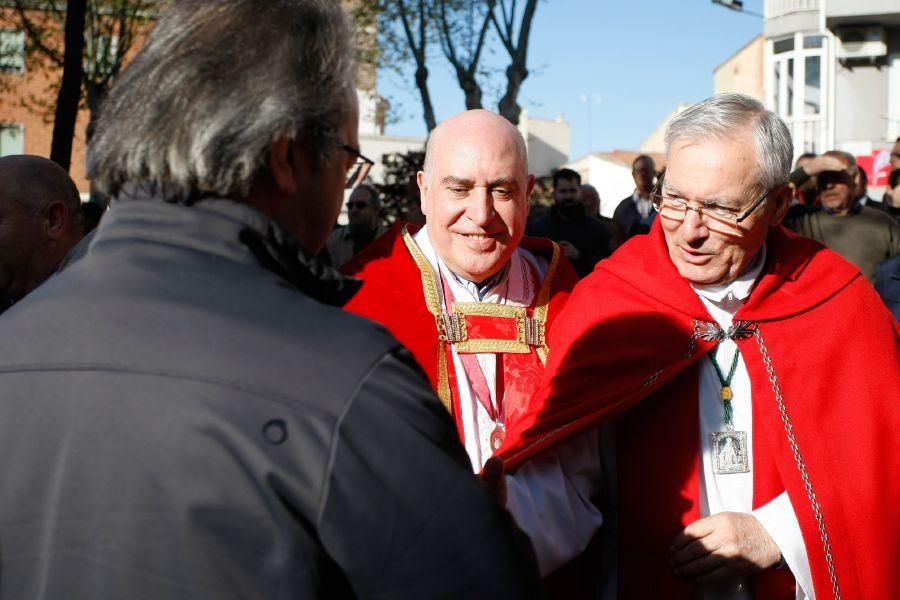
x=827, y=177
x=359, y=204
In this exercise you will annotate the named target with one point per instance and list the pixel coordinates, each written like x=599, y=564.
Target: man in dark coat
x=584, y=240
x=635, y=214
x=212, y=425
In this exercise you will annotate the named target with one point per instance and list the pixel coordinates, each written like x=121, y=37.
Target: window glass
x=790, y=87
x=12, y=51
x=777, y=87
x=783, y=45
x=11, y=139
x=813, y=41
x=100, y=55
x=812, y=93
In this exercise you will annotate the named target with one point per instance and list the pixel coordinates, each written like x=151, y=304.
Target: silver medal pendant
x=497, y=436
x=729, y=452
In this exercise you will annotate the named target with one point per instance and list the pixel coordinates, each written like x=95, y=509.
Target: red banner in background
x=877, y=166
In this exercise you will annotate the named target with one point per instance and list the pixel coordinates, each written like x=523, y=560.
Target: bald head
x=470, y=125
x=40, y=221
x=34, y=182
x=474, y=191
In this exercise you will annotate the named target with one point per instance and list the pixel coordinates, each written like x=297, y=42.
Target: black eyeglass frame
x=363, y=166
x=657, y=193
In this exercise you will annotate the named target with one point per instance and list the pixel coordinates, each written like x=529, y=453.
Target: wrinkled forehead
x=713, y=170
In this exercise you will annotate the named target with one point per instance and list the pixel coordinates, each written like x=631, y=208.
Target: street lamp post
x=737, y=6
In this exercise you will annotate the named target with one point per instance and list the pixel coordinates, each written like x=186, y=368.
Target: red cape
x=625, y=343
x=392, y=295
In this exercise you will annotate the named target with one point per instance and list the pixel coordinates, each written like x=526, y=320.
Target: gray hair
x=216, y=83
x=723, y=115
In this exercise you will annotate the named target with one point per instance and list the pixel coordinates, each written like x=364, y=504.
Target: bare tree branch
x=517, y=70
x=36, y=34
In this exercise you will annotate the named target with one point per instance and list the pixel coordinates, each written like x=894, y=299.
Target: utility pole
x=590, y=100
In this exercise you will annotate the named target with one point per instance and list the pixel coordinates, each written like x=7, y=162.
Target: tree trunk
x=428, y=108
x=515, y=75
x=69, y=96
x=470, y=88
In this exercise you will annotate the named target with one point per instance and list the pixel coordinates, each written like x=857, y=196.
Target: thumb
x=493, y=479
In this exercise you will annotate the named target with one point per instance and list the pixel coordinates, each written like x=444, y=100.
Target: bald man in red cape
x=471, y=298
x=822, y=359
x=393, y=295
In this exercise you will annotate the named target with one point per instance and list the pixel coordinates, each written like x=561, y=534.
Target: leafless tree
x=463, y=28
x=109, y=29
x=517, y=48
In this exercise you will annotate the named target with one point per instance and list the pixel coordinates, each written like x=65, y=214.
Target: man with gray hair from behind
x=212, y=425
x=754, y=440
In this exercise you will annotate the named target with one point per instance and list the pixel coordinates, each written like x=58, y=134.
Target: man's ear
x=282, y=165
x=782, y=198
x=422, y=180
x=58, y=220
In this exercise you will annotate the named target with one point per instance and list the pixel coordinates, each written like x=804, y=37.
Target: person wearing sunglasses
x=363, y=225
x=753, y=374
x=863, y=235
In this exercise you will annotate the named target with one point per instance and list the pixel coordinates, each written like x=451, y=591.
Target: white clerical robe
x=733, y=492
x=549, y=496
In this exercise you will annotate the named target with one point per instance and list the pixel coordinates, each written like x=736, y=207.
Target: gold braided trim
x=485, y=309
x=520, y=346
x=543, y=302
x=492, y=345
x=429, y=283
x=433, y=302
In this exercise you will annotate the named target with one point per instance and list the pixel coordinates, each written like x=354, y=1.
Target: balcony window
x=813, y=41
x=782, y=46
x=790, y=87
x=812, y=94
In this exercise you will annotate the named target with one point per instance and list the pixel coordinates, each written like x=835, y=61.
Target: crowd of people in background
x=220, y=393
x=830, y=204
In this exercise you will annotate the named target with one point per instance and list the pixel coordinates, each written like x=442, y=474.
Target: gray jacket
x=177, y=421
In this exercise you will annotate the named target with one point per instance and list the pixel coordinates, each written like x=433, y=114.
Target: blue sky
x=638, y=58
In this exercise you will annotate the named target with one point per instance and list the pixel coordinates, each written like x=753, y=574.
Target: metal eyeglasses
x=718, y=211
x=360, y=170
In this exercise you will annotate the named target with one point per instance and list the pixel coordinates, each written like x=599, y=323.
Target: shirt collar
x=476, y=290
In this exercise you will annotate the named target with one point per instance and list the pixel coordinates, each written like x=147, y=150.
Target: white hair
x=723, y=115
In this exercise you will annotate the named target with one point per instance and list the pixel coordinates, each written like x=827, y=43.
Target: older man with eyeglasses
x=753, y=448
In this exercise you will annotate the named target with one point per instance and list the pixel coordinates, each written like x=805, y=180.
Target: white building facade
x=832, y=72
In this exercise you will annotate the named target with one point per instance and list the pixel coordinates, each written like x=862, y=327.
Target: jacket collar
x=229, y=230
